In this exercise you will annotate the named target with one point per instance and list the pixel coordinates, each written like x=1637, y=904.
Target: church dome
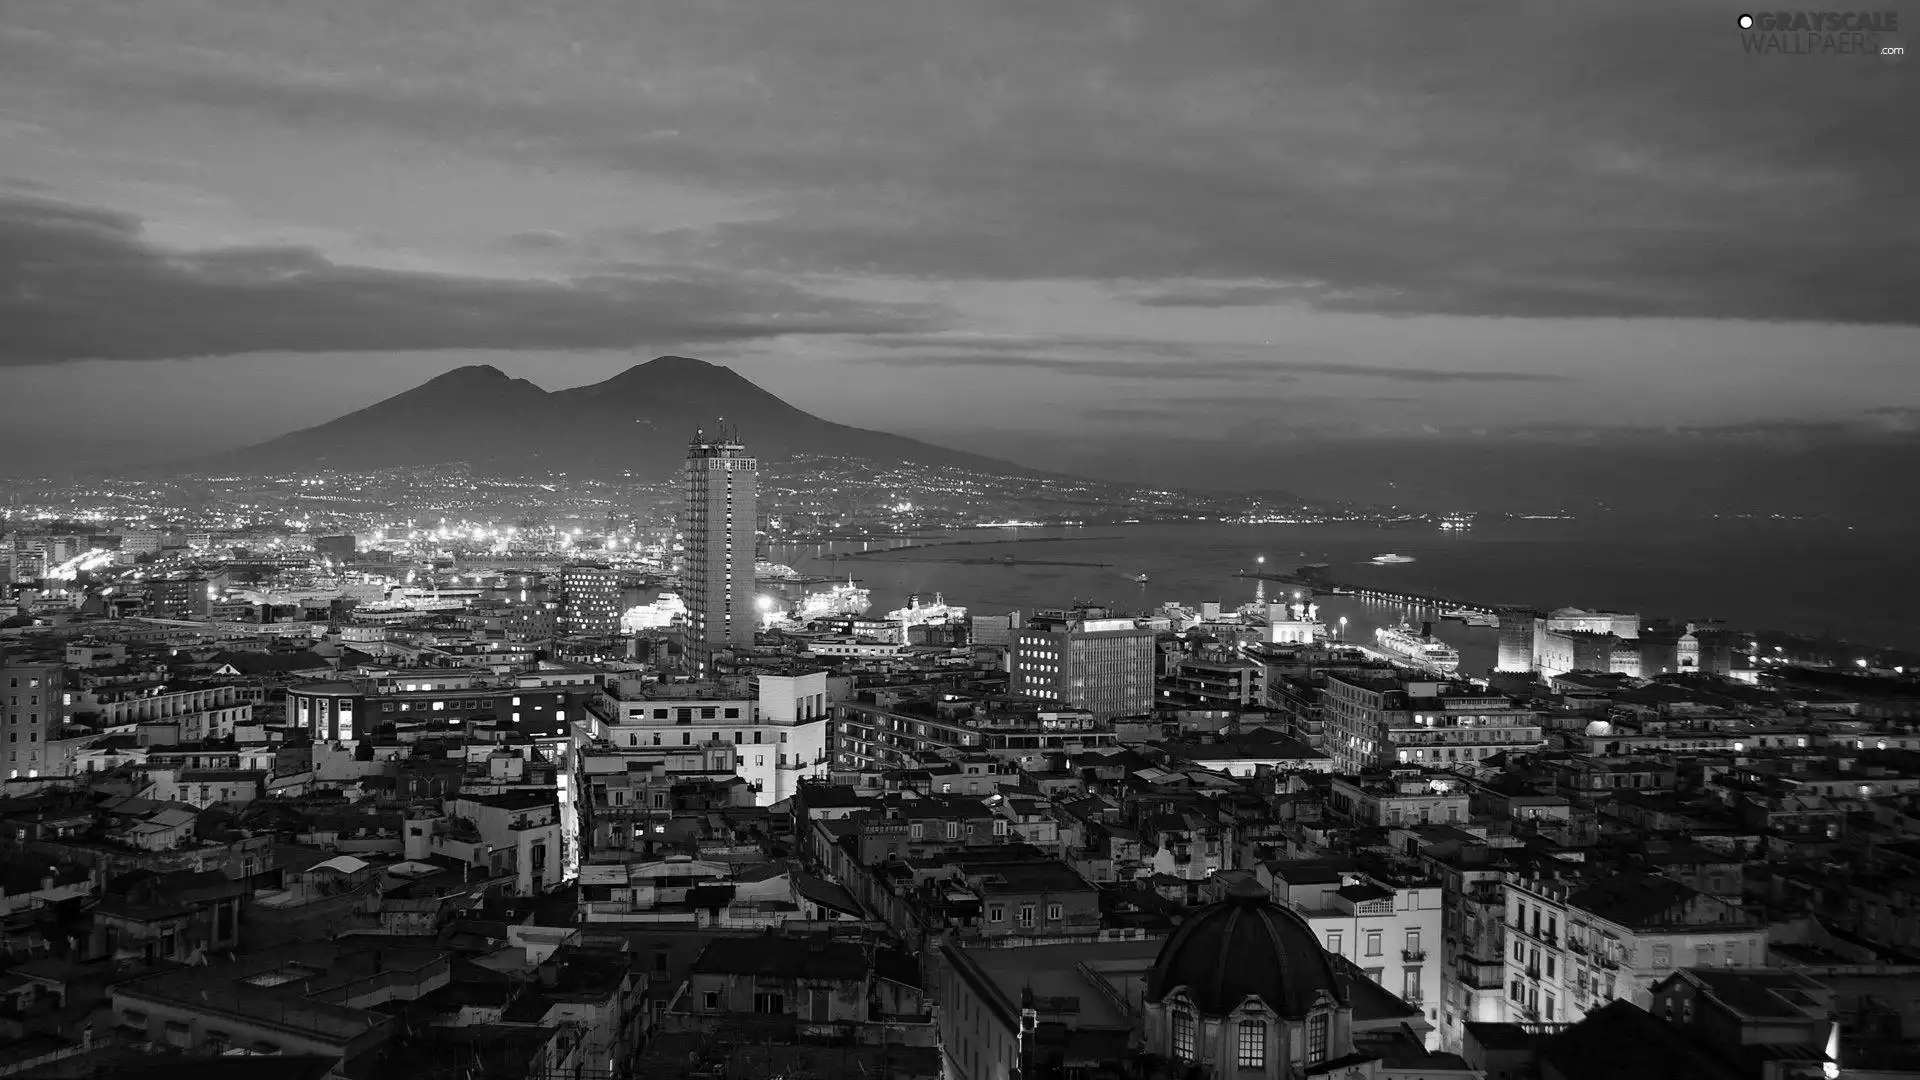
x=1245, y=946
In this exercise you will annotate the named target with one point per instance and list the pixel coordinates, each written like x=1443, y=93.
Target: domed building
x=1242, y=989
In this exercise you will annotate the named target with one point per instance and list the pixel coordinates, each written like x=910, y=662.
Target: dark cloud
x=1187, y=367
x=1220, y=296
x=79, y=283
x=1618, y=160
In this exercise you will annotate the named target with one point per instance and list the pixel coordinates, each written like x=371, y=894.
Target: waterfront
x=1799, y=577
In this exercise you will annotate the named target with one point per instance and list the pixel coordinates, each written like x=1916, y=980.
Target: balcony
x=1578, y=946
x=1611, y=963
x=1414, y=956
x=1533, y=972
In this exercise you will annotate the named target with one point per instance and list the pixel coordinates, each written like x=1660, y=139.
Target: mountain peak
x=472, y=373
x=672, y=367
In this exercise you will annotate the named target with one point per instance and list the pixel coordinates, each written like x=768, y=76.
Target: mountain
x=639, y=420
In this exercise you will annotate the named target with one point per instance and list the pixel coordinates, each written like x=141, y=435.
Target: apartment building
x=779, y=731
x=1573, y=947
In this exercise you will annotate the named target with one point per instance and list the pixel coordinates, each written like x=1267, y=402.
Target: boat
x=918, y=614
x=1140, y=578
x=765, y=571
x=666, y=608
x=1482, y=619
x=1456, y=522
x=847, y=599
x=1419, y=646
x=1390, y=559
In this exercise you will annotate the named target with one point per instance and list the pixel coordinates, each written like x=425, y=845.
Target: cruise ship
x=848, y=599
x=1419, y=646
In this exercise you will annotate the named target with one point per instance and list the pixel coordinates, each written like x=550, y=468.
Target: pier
x=1419, y=600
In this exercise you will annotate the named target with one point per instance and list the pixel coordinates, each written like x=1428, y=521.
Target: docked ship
x=918, y=614
x=1390, y=559
x=666, y=609
x=1456, y=522
x=1419, y=646
x=848, y=599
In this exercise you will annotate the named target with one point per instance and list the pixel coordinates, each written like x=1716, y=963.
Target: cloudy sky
x=1046, y=229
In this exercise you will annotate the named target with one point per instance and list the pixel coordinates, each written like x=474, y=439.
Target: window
x=917, y=830
x=1182, y=1034
x=1549, y=967
x=1053, y=912
x=1549, y=1014
x=953, y=830
x=996, y=913
x=1373, y=943
x=1026, y=915
x=1333, y=942
x=1316, y=1038
x=711, y=999
x=1410, y=984
x=1662, y=957
x=1253, y=1044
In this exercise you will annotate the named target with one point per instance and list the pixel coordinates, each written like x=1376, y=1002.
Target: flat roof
x=1053, y=971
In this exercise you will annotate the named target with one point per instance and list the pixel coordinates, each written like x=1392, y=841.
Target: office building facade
x=1103, y=666
x=717, y=529
x=590, y=600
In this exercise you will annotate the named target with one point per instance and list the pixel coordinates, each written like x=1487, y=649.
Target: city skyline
x=1213, y=227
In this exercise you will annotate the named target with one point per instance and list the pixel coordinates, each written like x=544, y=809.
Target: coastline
x=1793, y=583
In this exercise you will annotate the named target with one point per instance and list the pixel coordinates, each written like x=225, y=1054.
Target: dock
x=1421, y=600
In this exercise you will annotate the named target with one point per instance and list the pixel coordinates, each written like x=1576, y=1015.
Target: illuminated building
x=1081, y=661
x=185, y=598
x=1518, y=630
x=590, y=600
x=717, y=526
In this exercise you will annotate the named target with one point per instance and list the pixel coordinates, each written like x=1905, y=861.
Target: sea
x=1813, y=578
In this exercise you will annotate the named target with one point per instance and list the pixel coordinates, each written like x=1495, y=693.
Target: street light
x=1343, y=627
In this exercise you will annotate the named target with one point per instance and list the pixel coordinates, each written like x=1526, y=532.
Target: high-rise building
x=590, y=600
x=717, y=526
x=33, y=700
x=1104, y=666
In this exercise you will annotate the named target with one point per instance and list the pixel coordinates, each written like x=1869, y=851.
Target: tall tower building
x=717, y=524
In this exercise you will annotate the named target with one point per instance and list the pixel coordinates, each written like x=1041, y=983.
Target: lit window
x=1253, y=1044
x=1183, y=1035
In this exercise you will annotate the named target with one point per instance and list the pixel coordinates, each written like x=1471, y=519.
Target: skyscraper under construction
x=717, y=528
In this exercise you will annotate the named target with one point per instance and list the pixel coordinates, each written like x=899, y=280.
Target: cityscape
x=577, y=541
